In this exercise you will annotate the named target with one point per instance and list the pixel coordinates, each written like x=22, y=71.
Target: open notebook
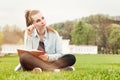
x=33, y=52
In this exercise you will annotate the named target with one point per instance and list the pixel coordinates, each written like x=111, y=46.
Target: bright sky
x=12, y=11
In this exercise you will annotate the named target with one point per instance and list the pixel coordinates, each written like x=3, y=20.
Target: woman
x=41, y=37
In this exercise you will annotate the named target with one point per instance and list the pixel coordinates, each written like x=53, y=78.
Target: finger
x=32, y=27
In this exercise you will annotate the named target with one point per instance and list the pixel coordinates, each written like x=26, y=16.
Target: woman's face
x=39, y=21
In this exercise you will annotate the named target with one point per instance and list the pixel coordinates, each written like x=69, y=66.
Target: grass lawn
x=88, y=67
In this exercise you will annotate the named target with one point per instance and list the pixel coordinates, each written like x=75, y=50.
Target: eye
x=38, y=20
x=42, y=17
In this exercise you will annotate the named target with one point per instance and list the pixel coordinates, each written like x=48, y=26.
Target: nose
x=42, y=21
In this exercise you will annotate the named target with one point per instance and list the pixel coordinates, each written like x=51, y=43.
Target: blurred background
x=84, y=25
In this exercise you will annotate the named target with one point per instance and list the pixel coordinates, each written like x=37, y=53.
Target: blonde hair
x=51, y=30
x=29, y=20
x=28, y=14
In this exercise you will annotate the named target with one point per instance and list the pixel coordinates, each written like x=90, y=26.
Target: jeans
x=29, y=62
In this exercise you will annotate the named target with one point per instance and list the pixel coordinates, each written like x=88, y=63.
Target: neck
x=41, y=32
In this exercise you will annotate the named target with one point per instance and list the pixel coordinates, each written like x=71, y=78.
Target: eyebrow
x=40, y=19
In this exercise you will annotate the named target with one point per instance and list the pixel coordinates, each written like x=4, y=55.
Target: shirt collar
x=46, y=33
x=36, y=34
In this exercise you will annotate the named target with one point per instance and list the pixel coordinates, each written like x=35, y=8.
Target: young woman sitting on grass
x=41, y=37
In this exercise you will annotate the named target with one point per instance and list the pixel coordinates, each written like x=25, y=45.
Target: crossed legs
x=29, y=62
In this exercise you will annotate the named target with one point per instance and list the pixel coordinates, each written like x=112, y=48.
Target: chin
x=44, y=26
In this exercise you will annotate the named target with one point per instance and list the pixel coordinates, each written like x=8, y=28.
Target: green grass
x=88, y=67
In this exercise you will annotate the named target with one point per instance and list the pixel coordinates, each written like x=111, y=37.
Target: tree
x=12, y=34
x=64, y=29
x=100, y=22
x=114, y=38
x=83, y=33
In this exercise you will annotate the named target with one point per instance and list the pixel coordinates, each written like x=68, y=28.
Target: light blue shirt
x=52, y=43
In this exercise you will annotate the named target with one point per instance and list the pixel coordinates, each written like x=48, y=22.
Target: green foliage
x=64, y=29
x=83, y=33
x=88, y=67
x=104, y=35
x=114, y=37
x=114, y=33
x=91, y=30
x=99, y=22
x=97, y=19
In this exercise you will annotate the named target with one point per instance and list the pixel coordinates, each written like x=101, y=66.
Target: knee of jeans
x=74, y=59
x=71, y=58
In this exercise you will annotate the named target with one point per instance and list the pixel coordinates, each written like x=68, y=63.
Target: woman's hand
x=44, y=57
x=30, y=29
